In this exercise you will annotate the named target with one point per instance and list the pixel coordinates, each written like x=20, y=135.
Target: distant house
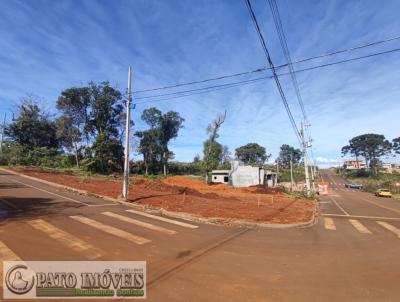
x=390, y=168
x=241, y=175
x=353, y=164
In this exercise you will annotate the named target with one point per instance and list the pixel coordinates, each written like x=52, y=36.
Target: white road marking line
x=140, y=223
x=339, y=206
x=67, y=239
x=186, y=225
x=389, y=227
x=6, y=254
x=111, y=230
x=359, y=226
x=329, y=224
x=358, y=216
x=102, y=205
x=381, y=206
x=48, y=192
x=324, y=202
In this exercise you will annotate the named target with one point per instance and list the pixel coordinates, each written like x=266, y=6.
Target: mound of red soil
x=185, y=194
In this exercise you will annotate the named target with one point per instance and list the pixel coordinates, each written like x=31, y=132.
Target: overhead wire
x=244, y=82
x=286, y=52
x=276, y=78
x=268, y=68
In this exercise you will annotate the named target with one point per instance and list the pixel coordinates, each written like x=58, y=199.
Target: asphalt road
x=351, y=254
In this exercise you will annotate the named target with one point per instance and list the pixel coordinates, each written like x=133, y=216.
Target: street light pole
x=127, y=138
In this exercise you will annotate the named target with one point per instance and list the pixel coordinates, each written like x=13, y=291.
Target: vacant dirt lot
x=189, y=195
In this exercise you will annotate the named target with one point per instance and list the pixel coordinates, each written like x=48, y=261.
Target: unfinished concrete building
x=241, y=175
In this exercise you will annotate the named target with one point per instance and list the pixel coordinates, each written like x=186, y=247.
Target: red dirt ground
x=189, y=195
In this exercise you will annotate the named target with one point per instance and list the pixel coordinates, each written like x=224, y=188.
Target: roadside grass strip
x=66, y=239
x=111, y=230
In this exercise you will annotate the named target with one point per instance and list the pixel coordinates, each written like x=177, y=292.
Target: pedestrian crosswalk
x=361, y=227
x=104, y=222
x=65, y=238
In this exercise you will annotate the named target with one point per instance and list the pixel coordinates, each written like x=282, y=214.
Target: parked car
x=383, y=193
x=353, y=186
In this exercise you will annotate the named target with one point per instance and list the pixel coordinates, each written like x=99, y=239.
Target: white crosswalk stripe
x=329, y=224
x=6, y=254
x=70, y=241
x=182, y=224
x=389, y=227
x=111, y=230
x=140, y=223
x=359, y=226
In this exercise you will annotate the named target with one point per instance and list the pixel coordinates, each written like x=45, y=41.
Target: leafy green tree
x=371, y=146
x=154, y=142
x=170, y=123
x=288, y=153
x=150, y=149
x=252, y=154
x=105, y=110
x=32, y=128
x=210, y=155
x=212, y=151
x=396, y=145
x=75, y=103
x=69, y=135
x=106, y=155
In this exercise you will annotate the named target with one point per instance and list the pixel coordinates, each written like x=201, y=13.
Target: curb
x=179, y=215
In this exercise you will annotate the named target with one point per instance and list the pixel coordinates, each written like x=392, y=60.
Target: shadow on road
x=30, y=207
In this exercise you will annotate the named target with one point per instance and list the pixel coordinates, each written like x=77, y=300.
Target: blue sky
x=47, y=46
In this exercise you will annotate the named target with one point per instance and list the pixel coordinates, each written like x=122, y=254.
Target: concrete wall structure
x=220, y=176
x=241, y=175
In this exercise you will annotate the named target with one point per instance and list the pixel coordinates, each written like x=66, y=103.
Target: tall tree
x=212, y=156
x=210, y=152
x=170, y=123
x=149, y=148
x=74, y=103
x=288, y=153
x=396, y=145
x=32, y=128
x=154, y=142
x=252, y=153
x=68, y=135
x=106, y=108
x=371, y=146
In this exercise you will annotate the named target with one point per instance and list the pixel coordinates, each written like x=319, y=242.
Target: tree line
x=88, y=131
x=371, y=147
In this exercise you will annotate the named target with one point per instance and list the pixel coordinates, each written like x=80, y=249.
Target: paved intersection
x=351, y=254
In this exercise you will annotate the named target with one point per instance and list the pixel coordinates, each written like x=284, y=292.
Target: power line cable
x=268, y=68
x=276, y=78
x=234, y=84
x=285, y=48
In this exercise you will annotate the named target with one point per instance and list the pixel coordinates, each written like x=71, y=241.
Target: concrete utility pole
x=305, y=146
x=277, y=170
x=291, y=172
x=312, y=177
x=2, y=133
x=127, y=138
